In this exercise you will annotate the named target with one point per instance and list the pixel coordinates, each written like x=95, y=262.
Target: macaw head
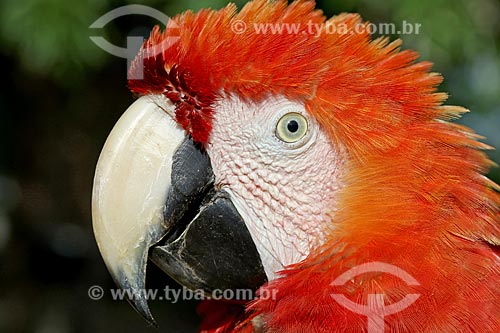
x=250, y=151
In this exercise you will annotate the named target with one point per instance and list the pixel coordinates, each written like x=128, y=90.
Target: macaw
x=321, y=170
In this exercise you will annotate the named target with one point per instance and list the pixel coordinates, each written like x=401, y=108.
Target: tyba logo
x=134, y=43
x=375, y=309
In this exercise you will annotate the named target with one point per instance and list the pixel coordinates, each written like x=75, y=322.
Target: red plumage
x=414, y=196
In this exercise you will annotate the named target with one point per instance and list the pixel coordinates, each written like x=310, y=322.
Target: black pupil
x=292, y=126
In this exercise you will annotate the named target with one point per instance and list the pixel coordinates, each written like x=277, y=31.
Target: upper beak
x=154, y=196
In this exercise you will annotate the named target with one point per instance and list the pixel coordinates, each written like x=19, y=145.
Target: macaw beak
x=154, y=197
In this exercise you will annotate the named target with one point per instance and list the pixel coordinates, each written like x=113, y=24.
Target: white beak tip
x=131, y=182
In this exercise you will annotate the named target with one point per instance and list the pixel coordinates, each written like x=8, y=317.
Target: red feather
x=414, y=196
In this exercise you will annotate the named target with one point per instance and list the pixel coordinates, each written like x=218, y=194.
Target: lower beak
x=154, y=197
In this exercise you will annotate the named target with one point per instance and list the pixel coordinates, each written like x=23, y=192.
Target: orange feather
x=415, y=193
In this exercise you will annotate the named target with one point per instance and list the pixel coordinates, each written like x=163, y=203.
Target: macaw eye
x=291, y=127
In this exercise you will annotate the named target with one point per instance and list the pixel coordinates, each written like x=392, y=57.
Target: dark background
x=60, y=96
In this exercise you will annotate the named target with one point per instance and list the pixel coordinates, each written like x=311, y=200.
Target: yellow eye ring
x=291, y=127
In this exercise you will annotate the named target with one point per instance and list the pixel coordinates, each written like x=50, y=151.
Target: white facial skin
x=285, y=192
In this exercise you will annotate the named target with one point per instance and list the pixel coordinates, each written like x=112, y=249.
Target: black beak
x=209, y=246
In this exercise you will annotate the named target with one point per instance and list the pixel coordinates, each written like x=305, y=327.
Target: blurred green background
x=60, y=96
